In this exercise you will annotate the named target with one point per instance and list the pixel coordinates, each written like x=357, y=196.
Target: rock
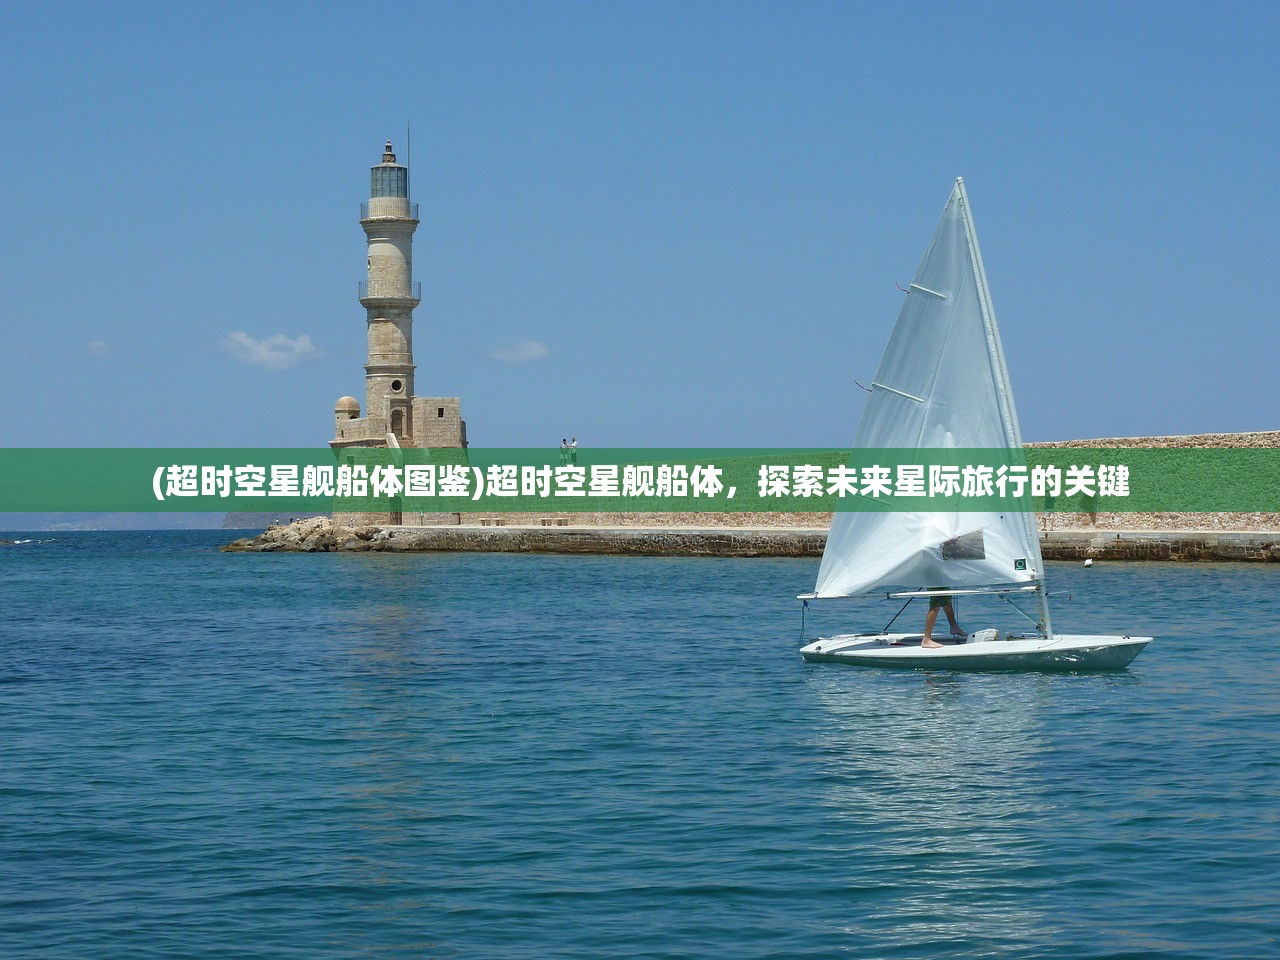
x=309, y=535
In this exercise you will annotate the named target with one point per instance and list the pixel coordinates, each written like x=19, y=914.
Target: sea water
x=461, y=755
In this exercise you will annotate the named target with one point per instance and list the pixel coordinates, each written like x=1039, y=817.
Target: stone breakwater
x=1191, y=545
x=1170, y=524
x=1265, y=439
x=322, y=535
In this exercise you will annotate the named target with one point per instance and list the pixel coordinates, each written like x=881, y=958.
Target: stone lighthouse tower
x=393, y=415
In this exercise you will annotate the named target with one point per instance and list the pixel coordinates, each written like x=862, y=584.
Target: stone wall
x=1149, y=545
x=320, y=535
x=1238, y=522
x=1261, y=440
x=817, y=521
x=437, y=422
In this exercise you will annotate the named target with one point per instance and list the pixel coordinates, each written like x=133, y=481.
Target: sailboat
x=943, y=384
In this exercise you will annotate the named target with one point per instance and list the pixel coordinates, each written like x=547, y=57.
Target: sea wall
x=1170, y=522
x=1192, y=545
x=1259, y=440
x=321, y=535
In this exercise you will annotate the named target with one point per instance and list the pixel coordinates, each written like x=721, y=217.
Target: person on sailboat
x=930, y=618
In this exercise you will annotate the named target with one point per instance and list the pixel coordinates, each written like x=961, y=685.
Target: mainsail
x=942, y=384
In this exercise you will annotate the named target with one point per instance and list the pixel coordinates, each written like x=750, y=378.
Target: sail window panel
x=968, y=546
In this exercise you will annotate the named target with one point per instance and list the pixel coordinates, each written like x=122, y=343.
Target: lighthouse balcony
x=388, y=208
x=390, y=290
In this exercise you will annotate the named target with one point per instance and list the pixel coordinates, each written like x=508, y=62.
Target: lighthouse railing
x=389, y=208
x=387, y=289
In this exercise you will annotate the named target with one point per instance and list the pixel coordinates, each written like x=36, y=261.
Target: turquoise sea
x=377, y=756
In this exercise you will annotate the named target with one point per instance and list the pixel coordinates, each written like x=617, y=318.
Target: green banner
x=522, y=480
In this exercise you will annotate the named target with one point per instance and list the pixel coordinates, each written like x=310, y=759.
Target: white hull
x=1063, y=652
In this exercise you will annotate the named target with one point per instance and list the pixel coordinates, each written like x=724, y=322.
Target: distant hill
x=19, y=522
x=111, y=521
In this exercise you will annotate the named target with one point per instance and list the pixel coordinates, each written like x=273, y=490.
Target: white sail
x=941, y=384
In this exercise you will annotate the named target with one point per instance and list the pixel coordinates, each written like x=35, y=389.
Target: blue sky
x=643, y=224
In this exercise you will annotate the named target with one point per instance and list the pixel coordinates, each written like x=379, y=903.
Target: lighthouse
x=394, y=416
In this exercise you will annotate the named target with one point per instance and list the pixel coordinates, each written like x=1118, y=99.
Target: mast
x=1004, y=394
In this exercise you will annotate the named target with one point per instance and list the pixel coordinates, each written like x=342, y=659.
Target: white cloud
x=274, y=353
x=522, y=351
x=99, y=348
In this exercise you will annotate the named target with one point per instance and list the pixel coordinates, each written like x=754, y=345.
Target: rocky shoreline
x=323, y=535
